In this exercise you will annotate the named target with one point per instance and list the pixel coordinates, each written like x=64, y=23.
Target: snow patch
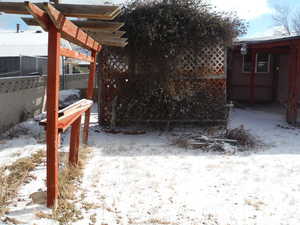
x=142, y=179
x=68, y=97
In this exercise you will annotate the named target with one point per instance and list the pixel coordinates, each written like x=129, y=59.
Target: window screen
x=262, y=62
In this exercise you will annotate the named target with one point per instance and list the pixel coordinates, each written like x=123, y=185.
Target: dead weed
x=14, y=175
x=243, y=137
x=66, y=211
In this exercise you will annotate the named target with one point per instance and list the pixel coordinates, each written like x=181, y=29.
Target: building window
x=262, y=63
x=247, y=65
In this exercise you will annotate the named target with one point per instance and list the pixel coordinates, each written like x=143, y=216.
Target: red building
x=266, y=70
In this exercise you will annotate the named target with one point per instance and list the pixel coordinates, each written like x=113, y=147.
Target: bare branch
x=296, y=23
x=281, y=18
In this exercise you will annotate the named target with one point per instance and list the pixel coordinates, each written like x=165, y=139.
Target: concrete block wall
x=24, y=97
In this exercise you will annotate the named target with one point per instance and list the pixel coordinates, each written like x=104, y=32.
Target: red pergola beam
x=292, y=95
x=89, y=95
x=252, y=76
x=69, y=30
x=65, y=122
x=75, y=142
x=52, y=114
x=41, y=17
x=58, y=26
x=75, y=55
x=70, y=114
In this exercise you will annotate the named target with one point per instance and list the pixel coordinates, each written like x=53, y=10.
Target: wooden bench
x=68, y=115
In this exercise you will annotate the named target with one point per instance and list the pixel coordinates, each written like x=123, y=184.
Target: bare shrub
x=181, y=142
x=243, y=136
x=227, y=141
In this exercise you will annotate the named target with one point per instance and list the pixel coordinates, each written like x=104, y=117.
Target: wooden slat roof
x=102, y=12
x=108, y=36
x=104, y=32
x=117, y=42
x=84, y=24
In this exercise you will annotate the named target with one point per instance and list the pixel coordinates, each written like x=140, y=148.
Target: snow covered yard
x=142, y=179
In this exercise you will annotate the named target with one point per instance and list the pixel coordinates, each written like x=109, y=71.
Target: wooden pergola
x=90, y=35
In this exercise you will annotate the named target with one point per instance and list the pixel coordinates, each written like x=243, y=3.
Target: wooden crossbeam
x=41, y=18
x=69, y=30
x=71, y=35
x=106, y=34
x=74, y=34
x=75, y=55
x=70, y=114
x=107, y=37
x=102, y=12
x=99, y=25
x=116, y=42
x=96, y=26
x=69, y=109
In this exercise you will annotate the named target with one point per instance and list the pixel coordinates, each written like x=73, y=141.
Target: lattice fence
x=191, y=89
x=207, y=62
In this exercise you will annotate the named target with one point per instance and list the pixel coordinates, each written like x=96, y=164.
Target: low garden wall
x=24, y=97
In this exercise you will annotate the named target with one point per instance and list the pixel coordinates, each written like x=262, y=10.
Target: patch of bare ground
x=13, y=176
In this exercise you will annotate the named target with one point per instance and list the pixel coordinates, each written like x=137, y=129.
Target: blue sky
x=263, y=24
x=258, y=13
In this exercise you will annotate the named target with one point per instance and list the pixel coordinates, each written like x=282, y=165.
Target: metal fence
x=22, y=66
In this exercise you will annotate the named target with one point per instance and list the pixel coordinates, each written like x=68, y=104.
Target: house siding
x=239, y=83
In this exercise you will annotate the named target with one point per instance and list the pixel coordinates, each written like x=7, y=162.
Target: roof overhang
x=269, y=43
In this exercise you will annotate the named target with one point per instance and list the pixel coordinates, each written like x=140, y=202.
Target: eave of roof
x=270, y=40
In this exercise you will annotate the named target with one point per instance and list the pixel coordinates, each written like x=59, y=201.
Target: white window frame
x=256, y=63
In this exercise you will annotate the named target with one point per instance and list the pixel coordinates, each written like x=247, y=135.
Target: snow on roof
x=28, y=43
x=256, y=40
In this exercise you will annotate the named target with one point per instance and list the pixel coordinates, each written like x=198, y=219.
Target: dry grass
x=66, y=211
x=14, y=175
x=4, y=189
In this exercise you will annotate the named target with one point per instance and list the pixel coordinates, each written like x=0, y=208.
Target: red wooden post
x=297, y=80
x=52, y=114
x=294, y=70
x=252, y=77
x=103, y=100
x=89, y=95
x=74, y=142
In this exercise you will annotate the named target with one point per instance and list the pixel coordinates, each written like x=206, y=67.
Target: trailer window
x=263, y=63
